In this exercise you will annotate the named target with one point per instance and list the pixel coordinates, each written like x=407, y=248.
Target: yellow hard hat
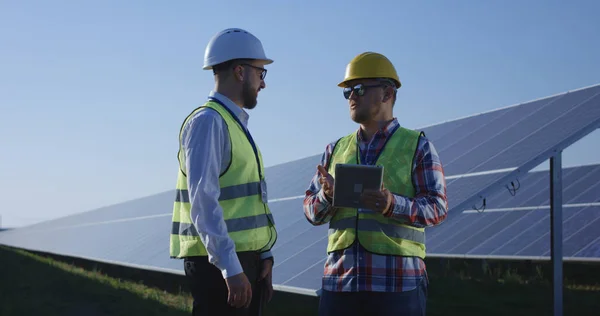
x=370, y=65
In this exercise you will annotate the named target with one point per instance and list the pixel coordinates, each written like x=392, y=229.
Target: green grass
x=35, y=285
x=480, y=287
x=31, y=284
x=456, y=296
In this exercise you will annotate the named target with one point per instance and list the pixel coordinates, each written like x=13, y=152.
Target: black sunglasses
x=263, y=71
x=359, y=89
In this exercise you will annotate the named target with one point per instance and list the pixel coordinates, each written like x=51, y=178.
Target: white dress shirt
x=206, y=144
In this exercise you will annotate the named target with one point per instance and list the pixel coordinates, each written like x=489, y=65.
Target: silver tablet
x=351, y=180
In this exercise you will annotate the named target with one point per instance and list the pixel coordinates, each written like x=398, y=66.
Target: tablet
x=351, y=180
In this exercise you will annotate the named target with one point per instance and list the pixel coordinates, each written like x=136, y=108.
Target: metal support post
x=556, y=231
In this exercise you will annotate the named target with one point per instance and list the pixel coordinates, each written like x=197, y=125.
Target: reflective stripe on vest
x=233, y=225
x=373, y=231
x=373, y=225
x=242, y=194
x=227, y=193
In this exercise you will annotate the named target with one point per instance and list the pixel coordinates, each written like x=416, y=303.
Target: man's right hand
x=326, y=181
x=240, y=291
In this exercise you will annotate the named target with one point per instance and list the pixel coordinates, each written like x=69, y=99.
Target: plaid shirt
x=355, y=269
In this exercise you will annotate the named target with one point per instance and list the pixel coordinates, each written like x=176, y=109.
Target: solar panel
x=290, y=179
x=507, y=215
x=511, y=226
x=520, y=137
x=498, y=146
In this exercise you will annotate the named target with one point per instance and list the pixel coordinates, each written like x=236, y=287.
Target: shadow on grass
x=32, y=285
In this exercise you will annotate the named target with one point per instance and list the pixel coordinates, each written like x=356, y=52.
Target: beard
x=359, y=116
x=363, y=114
x=248, y=96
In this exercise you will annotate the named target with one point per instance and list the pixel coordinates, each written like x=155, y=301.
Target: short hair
x=226, y=66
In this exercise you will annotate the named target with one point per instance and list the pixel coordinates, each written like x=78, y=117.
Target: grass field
x=34, y=285
x=31, y=284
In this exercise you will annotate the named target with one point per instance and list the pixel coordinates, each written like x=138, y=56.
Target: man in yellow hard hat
x=222, y=226
x=375, y=253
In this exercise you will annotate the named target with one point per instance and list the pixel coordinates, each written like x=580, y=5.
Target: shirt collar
x=385, y=131
x=237, y=111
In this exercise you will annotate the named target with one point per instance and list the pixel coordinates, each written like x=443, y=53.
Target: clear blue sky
x=92, y=94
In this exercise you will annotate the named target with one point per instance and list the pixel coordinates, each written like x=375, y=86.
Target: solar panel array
x=510, y=226
x=481, y=154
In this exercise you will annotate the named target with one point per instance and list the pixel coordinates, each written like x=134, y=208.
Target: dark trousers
x=209, y=289
x=410, y=303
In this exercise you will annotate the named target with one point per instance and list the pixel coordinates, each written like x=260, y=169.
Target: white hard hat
x=233, y=43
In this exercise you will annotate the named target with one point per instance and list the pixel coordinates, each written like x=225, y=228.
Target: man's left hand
x=379, y=201
x=266, y=276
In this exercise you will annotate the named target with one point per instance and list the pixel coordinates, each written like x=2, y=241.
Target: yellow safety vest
x=243, y=197
x=376, y=233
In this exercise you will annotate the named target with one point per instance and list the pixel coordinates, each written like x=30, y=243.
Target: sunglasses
x=359, y=89
x=263, y=71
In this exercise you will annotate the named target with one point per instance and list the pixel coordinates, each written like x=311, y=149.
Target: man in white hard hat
x=222, y=225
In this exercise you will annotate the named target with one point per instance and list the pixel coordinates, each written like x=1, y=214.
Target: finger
x=372, y=203
x=248, y=297
x=239, y=298
x=264, y=272
x=267, y=267
x=322, y=171
x=241, y=302
x=368, y=204
x=269, y=293
x=371, y=206
x=229, y=297
x=324, y=184
x=234, y=299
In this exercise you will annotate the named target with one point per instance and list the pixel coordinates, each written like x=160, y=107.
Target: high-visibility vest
x=376, y=233
x=243, y=196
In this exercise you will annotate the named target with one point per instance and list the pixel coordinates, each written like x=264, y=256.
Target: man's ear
x=386, y=96
x=238, y=72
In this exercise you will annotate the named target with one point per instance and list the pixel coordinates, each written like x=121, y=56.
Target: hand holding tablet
x=360, y=186
x=379, y=201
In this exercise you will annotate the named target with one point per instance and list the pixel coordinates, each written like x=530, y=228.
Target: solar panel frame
x=535, y=161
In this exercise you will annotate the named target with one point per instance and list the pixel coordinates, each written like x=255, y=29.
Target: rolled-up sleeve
x=203, y=141
x=317, y=208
